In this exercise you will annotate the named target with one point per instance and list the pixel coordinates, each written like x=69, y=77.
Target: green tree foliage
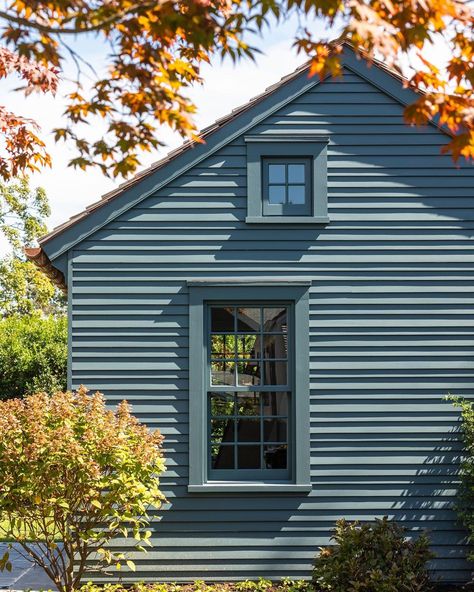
x=465, y=504
x=76, y=472
x=23, y=211
x=372, y=557
x=23, y=287
x=33, y=355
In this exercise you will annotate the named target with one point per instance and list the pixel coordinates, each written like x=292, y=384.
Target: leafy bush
x=286, y=585
x=374, y=557
x=33, y=355
x=465, y=504
x=73, y=471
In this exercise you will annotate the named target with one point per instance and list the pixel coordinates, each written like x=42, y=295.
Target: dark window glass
x=248, y=415
x=248, y=457
x=253, y=426
x=275, y=457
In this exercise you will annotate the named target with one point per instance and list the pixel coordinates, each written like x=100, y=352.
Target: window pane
x=222, y=404
x=275, y=456
x=222, y=346
x=274, y=320
x=248, y=319
x=248, y=404
x=222, y=430
x=296, y=194
x=222, y=319
x=274, y=430
x=275, y=373
x=248, y=373
x=223, y=373
x=296, y=173
x=248, y=457
x=275, y=404
x=276, y=194
x=276, y=173
x=275, y=346
x=248, y=346
x=222, y=457
x=248, y=430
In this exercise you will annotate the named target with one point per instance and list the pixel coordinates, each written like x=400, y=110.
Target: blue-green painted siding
x=391, y=332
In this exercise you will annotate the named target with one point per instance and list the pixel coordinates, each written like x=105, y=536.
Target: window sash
x=288, y=209
x=242, y=474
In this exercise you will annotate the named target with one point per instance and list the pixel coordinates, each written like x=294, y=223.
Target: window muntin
x=286, y=186
x=248, y=392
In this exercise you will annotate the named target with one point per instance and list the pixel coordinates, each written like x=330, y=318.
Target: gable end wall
x=391, y=333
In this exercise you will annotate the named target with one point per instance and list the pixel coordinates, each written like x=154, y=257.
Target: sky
x=226, y=86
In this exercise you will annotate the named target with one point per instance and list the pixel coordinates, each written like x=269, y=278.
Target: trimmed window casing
x=201, y=476
x=308, y=150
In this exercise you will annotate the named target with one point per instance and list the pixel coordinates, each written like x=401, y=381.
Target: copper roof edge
x=37, y=256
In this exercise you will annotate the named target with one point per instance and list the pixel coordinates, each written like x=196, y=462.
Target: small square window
x=286, y=187
x=287, y=179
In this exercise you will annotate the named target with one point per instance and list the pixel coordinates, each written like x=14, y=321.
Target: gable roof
x=65, y=236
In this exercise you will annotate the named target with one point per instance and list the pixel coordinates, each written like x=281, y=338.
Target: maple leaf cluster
x=156, y=49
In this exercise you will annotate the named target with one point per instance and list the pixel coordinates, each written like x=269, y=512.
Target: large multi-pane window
x=249, y=393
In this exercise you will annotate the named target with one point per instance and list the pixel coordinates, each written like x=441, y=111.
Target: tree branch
x=117, y=18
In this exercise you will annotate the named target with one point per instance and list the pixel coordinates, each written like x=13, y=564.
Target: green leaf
x=131, y=565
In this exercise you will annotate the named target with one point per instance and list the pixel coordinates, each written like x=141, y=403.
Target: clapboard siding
x=391, y=333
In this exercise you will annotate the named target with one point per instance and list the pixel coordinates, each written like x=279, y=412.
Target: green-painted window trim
x=200, y=295
x=312, y=146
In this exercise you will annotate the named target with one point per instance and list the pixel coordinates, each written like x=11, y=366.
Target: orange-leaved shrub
x=74, y=475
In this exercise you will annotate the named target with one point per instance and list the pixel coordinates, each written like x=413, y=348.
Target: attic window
x=287, y=179
x=286, y=186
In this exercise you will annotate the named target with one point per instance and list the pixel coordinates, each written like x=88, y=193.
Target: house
x=289, y=302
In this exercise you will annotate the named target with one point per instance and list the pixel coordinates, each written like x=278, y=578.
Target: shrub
x=465, y=506
x=286, y=585
x=374, y=557
x=75, y=472
x=33, y=355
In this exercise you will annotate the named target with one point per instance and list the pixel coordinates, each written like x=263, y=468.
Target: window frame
x=291, y=146
x=201, y=294
x=269, y=209
x=253, y=474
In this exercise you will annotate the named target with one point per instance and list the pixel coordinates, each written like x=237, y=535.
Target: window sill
x=286, y=219
x=241, y=487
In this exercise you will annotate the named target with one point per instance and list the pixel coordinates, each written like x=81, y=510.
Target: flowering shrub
x=374, y=557
x=74, y=475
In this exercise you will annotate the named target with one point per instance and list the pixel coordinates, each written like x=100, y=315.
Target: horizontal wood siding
x=391, y=333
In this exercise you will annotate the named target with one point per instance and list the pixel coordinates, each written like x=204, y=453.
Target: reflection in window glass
x=296, y=194
x=275, y=373
x=248, y=430
x=275, y=456
x=296, y=173
x=274, y=320
x=247, y=404
x=222, y=319
x=249, y=397
x=276, y=194
x=249, y=319
x=276, y=173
